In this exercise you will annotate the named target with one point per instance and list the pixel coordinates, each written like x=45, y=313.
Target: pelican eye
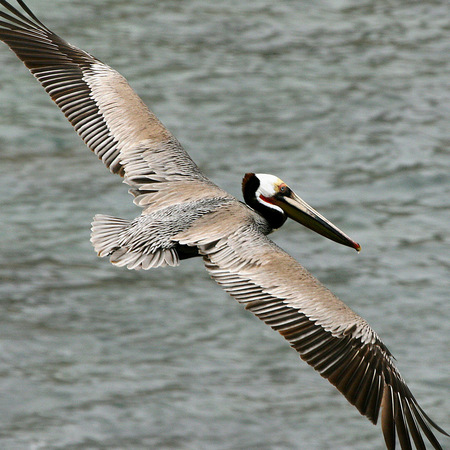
x=284, y=190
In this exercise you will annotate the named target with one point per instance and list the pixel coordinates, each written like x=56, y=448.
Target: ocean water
x=346, y=101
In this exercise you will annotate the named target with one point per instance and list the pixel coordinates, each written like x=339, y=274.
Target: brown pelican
x=184, y=214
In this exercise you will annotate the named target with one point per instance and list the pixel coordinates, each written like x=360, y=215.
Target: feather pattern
x=185, y=214
x=327, y=334
x=104, y=110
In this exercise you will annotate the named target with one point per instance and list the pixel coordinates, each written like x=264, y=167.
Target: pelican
x=185, y=215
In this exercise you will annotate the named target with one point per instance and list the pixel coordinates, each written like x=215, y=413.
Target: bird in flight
x=186, y=215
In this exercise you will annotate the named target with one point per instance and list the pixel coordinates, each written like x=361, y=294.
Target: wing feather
x=327, y=334
x=104, y=110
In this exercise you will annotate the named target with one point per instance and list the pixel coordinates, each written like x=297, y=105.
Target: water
x=347, y=101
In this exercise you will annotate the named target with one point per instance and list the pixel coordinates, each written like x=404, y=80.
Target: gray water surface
x=348, y=102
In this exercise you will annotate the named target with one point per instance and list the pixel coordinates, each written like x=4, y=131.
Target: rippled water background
x=347, y=101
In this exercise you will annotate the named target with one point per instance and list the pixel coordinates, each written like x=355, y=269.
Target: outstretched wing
x=105, y=111
x=327, y=334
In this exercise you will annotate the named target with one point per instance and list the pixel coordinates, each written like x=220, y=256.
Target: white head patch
x=267, y=184
x=267, y=188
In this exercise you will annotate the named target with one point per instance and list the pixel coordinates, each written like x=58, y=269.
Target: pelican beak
x=301, y=212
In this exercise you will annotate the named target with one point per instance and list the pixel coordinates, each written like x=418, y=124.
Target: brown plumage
x=185, y=215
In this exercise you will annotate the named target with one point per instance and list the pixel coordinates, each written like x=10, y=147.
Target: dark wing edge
x=104, y=110
x=60, y=68
x=362, y=371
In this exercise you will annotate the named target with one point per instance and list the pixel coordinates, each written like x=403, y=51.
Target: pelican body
x=185, y=215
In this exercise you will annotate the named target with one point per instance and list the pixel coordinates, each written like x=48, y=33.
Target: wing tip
x=403, y=418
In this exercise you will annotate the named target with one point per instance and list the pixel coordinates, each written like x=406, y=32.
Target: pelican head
x=276, y=201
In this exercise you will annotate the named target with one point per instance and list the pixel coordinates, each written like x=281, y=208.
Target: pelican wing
x=326, y=333
x=105, y=111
